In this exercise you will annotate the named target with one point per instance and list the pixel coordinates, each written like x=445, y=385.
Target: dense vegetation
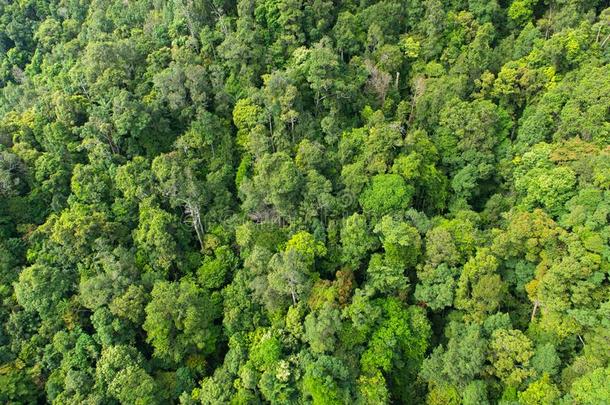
x=305, y=201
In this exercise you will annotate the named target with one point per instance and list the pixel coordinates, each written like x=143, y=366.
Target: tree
x=461, y=361
x=78, y=231
x=521, y=11
x=326, y=381
x=134, y=179
x=196, y=174
x=510, y=354
x=109, y=277
x=356, y=239
x=401, y=242
x=419, y=167
x=180, y=321
x=134, y=385
x=406, y=330
x=292, y=270
x=372, y=389
x=486, y=126
x=246, y=116
x=475, y=393
x=11, y=172
x=348, y=34
x=318, y=201
x=386, y=194
x=154, y=237
x=119, y=368
x=448, y=244
x=43, y=288
x=321, y=70
x=385, y=277
x=381, y=143
x=17, y=385
x=276, y=185
x=590, y=388
x=480, y=289
x=550, y=189
x=575, y=101
x=76, y=355
x=437, y=286
x=321, y=327
x=540, y=392
x=214, y=271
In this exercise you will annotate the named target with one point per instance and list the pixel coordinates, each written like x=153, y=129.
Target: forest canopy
x=305, y=202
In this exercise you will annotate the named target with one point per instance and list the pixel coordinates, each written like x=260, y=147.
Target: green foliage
x=356, y=239
x=401, y=242
x=387, y=193
x=521, y=11
x=321, y=328
x=510, y=356
x=591, y=387
x=214, y=272
x=120, y=372
x=325, y=381
x=463, y=358
x=540, y=392
x=16, y=385
x=294, y=202
x=462, y=126
x=399, y=342
x=480, y=289
x=475, y=393
x=175, y=324
x=154, y=237
x=42, y=289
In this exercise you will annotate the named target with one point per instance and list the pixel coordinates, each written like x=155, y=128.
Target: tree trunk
x=195, y=214
x=536, y=304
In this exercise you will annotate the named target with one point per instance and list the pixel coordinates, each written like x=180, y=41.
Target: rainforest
x=305, y=202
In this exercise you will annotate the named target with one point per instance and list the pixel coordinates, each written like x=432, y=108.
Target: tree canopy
x=305, y=202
